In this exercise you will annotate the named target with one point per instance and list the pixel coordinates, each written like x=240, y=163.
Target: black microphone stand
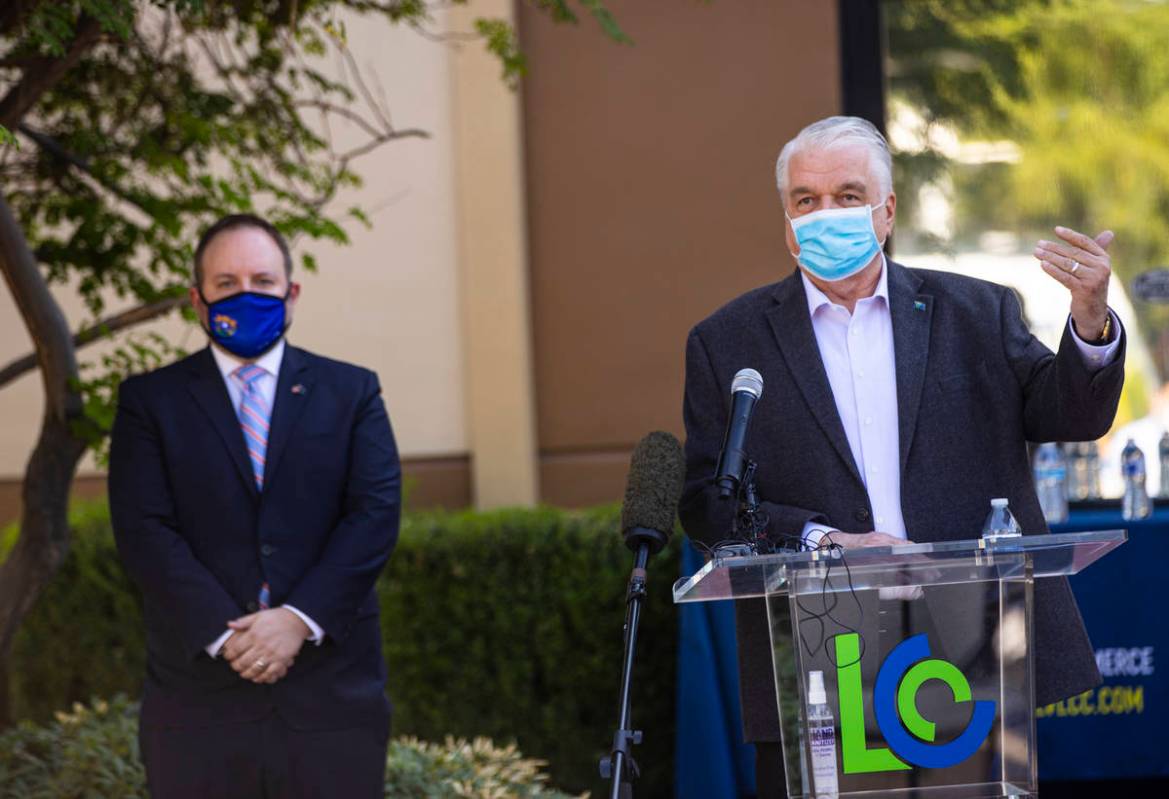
x=750, y=522
x=619, y=766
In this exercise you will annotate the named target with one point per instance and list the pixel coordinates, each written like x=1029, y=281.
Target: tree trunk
x=43, y=541
x=44, y=525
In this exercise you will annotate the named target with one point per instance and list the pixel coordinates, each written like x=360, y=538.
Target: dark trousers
x=769, y=773
x=264, y=759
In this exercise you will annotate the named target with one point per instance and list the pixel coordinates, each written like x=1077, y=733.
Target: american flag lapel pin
x=298, y=388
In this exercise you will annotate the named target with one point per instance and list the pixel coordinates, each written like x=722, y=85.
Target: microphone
x=746, y=389
x=657, y=471
x=652, y=490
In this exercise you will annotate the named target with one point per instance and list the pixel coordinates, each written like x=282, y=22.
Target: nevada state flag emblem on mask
x=223, y=325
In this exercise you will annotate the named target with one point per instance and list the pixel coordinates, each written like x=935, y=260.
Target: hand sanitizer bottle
x=822, y=737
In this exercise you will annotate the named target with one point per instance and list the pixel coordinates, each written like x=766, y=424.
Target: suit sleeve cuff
x=814, y=533
x=213, y=648
x=318, y=635
x=1098, y=356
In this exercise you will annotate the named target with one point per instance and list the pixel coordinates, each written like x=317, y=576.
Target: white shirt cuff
x=814, y=533
x=318, y=635
x=1098, y=355
x=216, y=645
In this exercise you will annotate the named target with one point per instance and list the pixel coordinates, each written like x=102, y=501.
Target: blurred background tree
x=1080, y=88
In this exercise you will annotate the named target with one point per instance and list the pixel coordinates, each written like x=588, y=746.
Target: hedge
x=93, y=751
x=506, y=624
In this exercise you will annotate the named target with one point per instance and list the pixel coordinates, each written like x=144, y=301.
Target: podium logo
x=909, y=736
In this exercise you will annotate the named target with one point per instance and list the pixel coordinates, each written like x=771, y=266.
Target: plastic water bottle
x=1000, y=521
x=1093, y=458
x=1136, y=497
x=1163, y=451
x=1051, y=482
x=1076, y=455
x=822, y=736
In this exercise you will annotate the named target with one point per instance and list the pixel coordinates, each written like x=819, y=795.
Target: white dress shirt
x=266, y=385
x=857, y=352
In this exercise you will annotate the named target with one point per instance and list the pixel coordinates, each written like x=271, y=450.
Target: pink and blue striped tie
x=253, y=418
x=254, y=415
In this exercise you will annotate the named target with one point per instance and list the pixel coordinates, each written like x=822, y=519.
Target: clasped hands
x=264, y=645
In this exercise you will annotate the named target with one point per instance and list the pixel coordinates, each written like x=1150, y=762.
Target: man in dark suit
x=898, y=401
x=255, y=491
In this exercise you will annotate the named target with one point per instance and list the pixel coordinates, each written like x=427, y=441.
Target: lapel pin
x=918, y=305
x=298, y=388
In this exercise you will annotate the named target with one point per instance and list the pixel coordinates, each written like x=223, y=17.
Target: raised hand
x=1083, y=266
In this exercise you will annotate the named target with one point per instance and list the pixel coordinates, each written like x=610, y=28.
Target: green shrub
x=505, y=624
x=93, y=751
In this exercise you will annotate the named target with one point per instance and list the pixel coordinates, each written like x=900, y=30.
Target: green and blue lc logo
x=909, y=736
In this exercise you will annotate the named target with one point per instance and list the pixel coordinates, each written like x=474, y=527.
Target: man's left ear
x=293, y=291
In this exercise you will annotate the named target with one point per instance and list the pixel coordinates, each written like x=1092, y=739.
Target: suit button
x=253, y=606
x=267, y=550
x=863, y=515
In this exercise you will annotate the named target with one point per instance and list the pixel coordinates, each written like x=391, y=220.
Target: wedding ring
x=1075, y=266
x=261, y=664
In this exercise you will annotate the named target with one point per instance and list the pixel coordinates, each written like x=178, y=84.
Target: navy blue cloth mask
x=247, y=324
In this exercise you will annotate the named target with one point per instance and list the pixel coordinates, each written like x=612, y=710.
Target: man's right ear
x=197, y=303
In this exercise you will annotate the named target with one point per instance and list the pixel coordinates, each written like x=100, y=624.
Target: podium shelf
x=937, y=563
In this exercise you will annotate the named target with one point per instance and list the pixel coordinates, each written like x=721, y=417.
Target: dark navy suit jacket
x=973, y=387
x=199, y=538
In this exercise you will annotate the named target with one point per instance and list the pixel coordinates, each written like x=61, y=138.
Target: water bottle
x=1051, y=484
x=1093, y=458
x=1163, y=451
x=1136, y=498
x=822, y=736
x=1076, y=456
x=1000, y=522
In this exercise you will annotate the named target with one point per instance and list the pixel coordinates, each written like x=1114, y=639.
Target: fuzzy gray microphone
x=652, y=490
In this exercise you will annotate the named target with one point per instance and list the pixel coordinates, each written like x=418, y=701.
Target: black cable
x=822, y=618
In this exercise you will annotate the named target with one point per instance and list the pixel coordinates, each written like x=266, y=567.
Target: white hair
x=836, y=130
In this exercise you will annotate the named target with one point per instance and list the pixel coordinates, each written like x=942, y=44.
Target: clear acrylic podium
x=925, y=652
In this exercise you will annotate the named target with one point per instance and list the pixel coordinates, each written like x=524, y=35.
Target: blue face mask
x=247, y=324
x=837, y=242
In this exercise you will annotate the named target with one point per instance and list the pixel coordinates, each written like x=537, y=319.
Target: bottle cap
x=816, y=693
x=998, y=502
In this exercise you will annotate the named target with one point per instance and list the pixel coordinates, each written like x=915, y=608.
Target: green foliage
x=93, y=751
x=504, y=624
x=458, y=768
x=88, y=752
x=503, y=43
x=1081, y=87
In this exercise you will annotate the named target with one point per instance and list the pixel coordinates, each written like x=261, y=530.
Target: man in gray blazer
x=899, y=401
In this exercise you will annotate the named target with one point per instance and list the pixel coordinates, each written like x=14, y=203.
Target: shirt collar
x=818, y=299
x=269, y=361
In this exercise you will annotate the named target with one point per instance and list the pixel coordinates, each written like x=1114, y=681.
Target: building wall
x=651, y=202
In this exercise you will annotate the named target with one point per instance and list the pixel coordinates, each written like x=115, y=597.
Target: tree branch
x=39, y=78
x=55, y=149
x=88, y=335
x=42, y=316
